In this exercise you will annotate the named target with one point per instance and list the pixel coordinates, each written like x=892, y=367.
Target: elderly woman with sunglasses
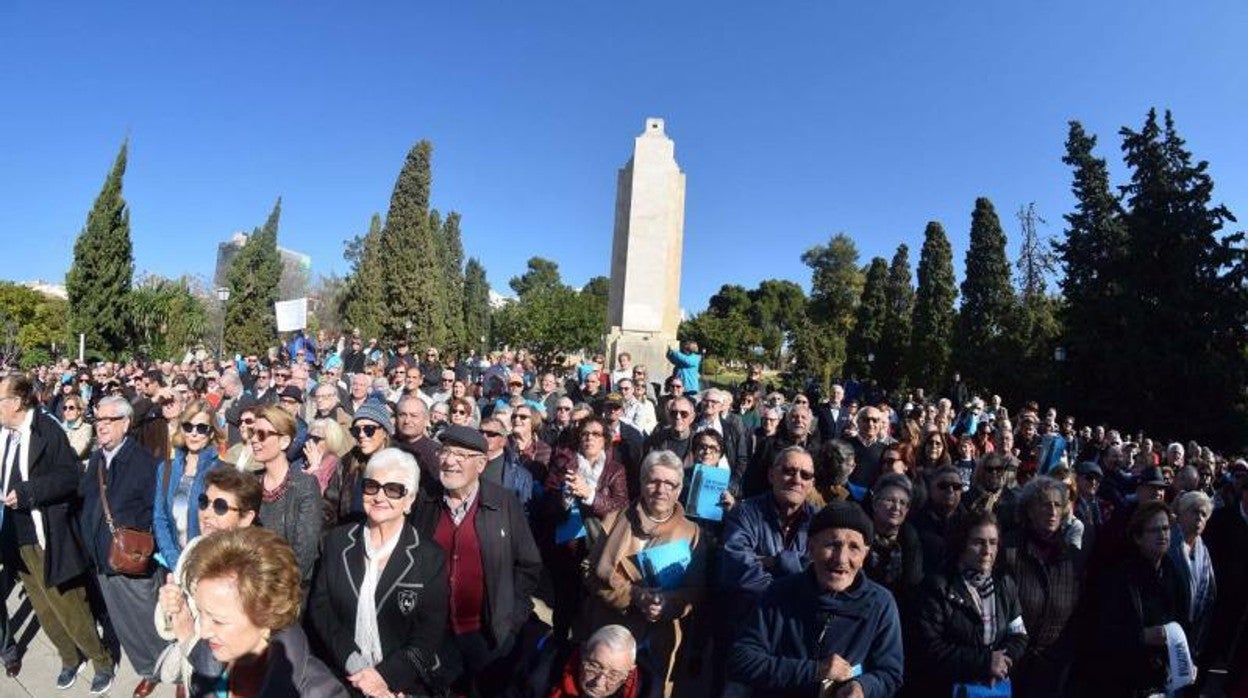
x=291, y=503
x=381, y=597
x=180, y=480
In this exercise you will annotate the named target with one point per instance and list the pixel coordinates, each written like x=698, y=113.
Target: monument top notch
x=654, y=126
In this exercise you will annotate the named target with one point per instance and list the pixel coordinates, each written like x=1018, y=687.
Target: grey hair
x=124, y=408
x=397, y=461
x=413, y=399
x=1190, y=500
x=616, y=637
x=1039, y=485
x=664, y=459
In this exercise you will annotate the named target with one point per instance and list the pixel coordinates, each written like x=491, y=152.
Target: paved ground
x=40, y=663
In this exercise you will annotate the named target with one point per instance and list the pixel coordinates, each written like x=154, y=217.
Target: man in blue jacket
x=827, y=631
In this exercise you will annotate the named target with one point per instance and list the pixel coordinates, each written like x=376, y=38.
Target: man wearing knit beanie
x=857, y=648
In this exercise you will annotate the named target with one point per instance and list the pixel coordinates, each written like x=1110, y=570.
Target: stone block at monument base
x=648, y=349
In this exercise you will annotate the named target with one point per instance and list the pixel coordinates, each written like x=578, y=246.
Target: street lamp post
x=223, y=295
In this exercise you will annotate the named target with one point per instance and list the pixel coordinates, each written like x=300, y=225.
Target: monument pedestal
x=648, y=349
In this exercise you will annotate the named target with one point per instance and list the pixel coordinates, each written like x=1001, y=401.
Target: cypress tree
x=890, y=358
x=987, y=301
x=452, y=255
x=362, y=302
x=99, y=281
x=1093, y=261
x=931, y=332
x=864, y=339
x=476, y=309
x=253, y=278
x=412, y=273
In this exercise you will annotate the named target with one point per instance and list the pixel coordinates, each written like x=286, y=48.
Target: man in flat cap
x=492, y=560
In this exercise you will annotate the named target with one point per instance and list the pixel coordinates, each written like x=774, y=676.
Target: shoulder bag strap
x=108, y=511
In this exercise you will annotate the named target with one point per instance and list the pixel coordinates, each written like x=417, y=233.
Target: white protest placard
x=291, y=315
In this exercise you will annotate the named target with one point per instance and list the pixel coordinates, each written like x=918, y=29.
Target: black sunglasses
x=365, y=429
x=393, y=490
x=491, y=434
x=220, y=507
x=315, y=439
x=192, y=428
x=949, y=486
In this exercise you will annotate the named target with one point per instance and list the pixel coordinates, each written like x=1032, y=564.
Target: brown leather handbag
x=131, y=549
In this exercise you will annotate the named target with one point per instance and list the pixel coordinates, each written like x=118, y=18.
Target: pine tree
x=363, y=303
x=864, y=339
x=413, y=287
x=1186, y=320
x=99, y=281
x=931, y=332
x=890, y=358
x=452, y=256
x=253, y=278
x=476, y=309
x=836, y=283
x=987, y=301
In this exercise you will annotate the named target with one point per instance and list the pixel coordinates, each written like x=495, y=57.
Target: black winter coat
x=411, y=601
x=509, y=556
x=945, y=638
x=52, y=489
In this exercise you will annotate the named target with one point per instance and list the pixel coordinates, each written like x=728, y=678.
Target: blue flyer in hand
x=706, y=485
x=664, y=566
x=570, y=528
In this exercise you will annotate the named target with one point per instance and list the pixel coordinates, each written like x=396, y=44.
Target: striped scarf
x=983, y=592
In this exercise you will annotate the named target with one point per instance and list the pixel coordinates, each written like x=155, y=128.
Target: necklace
x=658, y=521
x=272, y=495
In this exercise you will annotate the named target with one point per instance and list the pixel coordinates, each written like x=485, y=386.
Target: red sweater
x=466, y=571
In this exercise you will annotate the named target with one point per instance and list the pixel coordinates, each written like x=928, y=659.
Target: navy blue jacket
x=796, y=625
x=131, y=482
x=752, y=531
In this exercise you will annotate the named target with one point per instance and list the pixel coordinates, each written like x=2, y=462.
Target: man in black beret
x=829, y=631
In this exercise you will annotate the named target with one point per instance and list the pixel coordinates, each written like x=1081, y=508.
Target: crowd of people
x=337, y=518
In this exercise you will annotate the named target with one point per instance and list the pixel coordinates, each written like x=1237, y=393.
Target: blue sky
x=792, y=121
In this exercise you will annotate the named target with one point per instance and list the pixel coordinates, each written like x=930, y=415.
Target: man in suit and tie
x=833, y=415
x=40, y=480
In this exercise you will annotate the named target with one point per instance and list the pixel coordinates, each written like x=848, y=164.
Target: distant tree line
x=1149, y=327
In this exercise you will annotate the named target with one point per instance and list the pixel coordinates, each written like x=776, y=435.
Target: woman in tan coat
x=650, y=569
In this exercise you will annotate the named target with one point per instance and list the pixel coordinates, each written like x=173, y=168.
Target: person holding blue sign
x=651, y=568
x=584, y=490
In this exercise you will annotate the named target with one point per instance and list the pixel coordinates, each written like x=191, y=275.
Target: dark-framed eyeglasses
x=794, y=471
x=220, y=507
x=393, y=490
x=368, y=430
x=189, y=428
